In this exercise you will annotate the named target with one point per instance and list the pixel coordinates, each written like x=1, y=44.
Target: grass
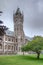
x=21, y=60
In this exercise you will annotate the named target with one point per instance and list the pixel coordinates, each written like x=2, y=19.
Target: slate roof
x=11, y=33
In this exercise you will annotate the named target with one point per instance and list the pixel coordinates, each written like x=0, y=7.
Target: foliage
x=2, y=28
x=36, y=45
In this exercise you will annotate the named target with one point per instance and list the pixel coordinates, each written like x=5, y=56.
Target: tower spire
x=18, y=11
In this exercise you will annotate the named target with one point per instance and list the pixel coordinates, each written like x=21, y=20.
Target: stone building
x=11, y=42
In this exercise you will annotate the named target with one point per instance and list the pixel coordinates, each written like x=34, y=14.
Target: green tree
x=2, y=28
x=36, y=45
x=24, y=48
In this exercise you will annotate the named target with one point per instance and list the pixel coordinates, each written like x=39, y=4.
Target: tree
x=36, y=45
x=24, y=48
x=2, y=28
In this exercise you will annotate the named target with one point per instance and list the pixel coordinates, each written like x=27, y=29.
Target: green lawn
x=21, y=60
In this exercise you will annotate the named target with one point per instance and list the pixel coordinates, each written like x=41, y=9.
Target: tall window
x=16, y=47
x=8, y=47
x=0, y=46
x=12, y=47
x=8, y=39
x=16, y=40
x=12, y=39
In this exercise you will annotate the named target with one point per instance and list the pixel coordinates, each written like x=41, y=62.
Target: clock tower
x=18, y=29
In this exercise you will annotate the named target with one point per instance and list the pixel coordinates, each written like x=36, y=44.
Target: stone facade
x=12, y=44
x=7, y=44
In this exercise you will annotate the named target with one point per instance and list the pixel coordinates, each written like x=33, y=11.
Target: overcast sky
x=33, y=15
